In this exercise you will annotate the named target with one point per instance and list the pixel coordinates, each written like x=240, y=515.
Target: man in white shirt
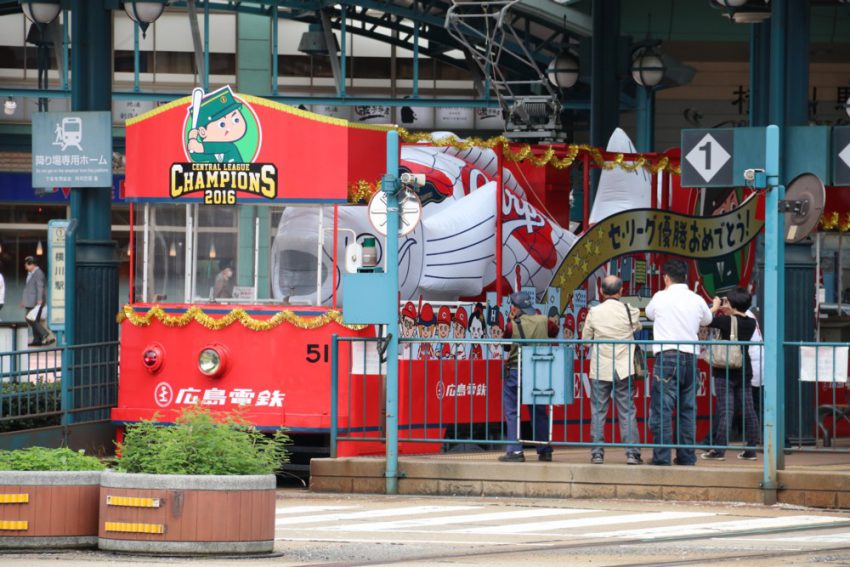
x=678, y=313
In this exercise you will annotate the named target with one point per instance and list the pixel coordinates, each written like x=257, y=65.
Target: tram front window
x=302, y=256
x=243, y=254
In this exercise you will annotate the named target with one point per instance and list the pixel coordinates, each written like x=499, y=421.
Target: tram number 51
x=317, y=353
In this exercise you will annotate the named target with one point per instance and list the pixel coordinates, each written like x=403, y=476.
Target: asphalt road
x=336, y=530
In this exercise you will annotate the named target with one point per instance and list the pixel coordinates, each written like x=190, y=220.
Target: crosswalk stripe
x=382, y=513
x=583, y=523
x=718, y=527
x=289, y=510
x=461, y=519
x=821, y=538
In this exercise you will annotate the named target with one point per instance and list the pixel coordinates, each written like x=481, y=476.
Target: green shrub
x=44, y=459
x=27, y=405
x=200, y=444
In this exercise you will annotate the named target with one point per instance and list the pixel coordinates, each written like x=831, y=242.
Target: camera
x=413, y=179
x=751, y=174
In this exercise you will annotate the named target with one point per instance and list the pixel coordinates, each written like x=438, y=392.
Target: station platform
x=812, y=479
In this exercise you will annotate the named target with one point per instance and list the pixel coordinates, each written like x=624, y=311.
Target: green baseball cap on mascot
x=217, y=104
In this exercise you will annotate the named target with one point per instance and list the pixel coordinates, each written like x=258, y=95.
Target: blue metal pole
x=342, y=56
x=389, y=184
x=774, y=318
x=334, y=392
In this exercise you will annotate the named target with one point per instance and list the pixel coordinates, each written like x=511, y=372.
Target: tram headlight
x=212, y=361
x=152, y=357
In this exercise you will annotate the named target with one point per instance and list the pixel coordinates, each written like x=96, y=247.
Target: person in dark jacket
x=34, y=296
x=732, y=385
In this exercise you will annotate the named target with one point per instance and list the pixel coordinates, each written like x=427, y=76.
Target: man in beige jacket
x=610, y=368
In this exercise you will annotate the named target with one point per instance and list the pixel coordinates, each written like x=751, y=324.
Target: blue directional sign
x=841, y=156
x=72, y=149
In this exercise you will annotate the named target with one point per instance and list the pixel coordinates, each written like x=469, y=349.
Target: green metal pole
x=96, y=286
x=416, y=60
x=390, y=185
x=206, y=78
x=342, y=56
x=645, y=119
x=136, y=57
x=274, y=49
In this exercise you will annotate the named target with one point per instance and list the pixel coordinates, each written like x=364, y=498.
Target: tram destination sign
x=841, y=156
x=72, y=149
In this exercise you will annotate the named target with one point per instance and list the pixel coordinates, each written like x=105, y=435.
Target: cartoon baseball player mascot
x=444, y=331
x=217, y=124
x=426, y=331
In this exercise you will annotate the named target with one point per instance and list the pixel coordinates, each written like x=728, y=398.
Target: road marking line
x=460, y=542
x=289, y=510
x=781, y=538
x=715, y=527
x=583, y=522
x=400, y=525
x=382, y=513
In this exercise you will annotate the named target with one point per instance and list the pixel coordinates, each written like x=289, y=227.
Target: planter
x=186, y=513
x=48, y=509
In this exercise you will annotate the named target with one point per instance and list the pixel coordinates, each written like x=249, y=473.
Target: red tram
x=241, y=216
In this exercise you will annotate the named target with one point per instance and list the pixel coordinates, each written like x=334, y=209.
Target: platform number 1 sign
x=707, y=158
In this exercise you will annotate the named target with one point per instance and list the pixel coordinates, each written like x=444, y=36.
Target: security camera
x=413, y=179
x=751, y=175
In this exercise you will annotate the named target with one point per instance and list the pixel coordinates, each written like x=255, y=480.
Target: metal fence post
x=389, y=185
x=67, y=380
x=334, y=392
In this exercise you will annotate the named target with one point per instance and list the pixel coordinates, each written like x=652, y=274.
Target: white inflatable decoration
x=619, y=189
x=452, y=252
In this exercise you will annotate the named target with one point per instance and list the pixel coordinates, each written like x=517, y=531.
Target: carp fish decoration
x=452, y=253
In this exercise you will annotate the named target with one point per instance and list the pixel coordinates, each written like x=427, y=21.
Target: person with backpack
x=525, y=322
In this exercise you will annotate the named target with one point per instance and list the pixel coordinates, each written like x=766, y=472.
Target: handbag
x=725, y=355
x=638, y=356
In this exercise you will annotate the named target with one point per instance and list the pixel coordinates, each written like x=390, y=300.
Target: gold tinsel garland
x=835, y=222
x=195, y=313
x=548, y=157
x=361, y=191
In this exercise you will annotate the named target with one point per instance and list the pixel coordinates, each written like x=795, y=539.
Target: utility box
x=362, y=294
x=547, y=375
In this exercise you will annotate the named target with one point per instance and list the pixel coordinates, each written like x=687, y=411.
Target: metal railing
x=63, y=385
x=449, y=401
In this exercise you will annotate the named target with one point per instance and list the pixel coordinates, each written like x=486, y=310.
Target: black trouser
x=39, y=333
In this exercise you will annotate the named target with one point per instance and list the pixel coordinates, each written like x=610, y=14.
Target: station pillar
x=96, y=292
x=605, y=77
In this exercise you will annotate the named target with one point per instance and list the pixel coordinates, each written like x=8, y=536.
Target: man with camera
x=525, y=323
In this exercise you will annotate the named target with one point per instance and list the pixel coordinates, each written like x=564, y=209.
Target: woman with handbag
x=732, y=371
